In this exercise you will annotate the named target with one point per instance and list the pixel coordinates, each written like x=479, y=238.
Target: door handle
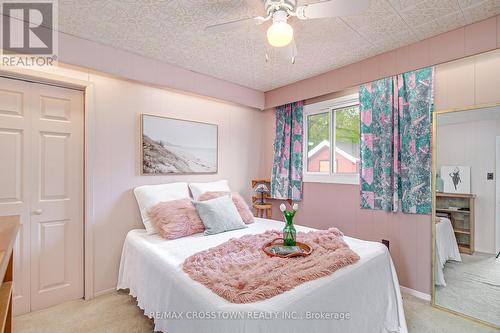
x=37, y=212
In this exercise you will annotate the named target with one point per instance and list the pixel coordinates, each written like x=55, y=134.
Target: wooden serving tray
x=279, y=241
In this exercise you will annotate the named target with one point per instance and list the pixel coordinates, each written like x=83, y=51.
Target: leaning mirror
x=466, y=230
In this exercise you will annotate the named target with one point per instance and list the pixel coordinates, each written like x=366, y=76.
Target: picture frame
x=172, y=146
x=456, y=179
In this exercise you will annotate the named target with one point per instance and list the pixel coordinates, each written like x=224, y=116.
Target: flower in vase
x=295, y=207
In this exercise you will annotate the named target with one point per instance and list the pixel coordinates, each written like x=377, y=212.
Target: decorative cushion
x=219, y=215
x=176, y=218
x=238, y=201
x=198, y=189
x=148, y=196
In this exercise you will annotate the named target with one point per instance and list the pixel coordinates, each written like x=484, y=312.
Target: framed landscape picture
x=175, y=146
x=456, y=179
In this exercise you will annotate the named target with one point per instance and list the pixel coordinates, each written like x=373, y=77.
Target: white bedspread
x=446, y=248
x=367, y=291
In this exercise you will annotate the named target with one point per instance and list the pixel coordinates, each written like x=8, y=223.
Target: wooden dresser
x=9, y=226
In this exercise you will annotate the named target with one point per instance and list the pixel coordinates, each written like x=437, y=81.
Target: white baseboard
x=416, y=293
x=104, y=292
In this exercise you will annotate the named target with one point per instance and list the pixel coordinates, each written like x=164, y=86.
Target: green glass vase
x=289, y=232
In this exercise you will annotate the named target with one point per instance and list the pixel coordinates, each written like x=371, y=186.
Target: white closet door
x=56, y=196
x=41, y=179
x=15, y=179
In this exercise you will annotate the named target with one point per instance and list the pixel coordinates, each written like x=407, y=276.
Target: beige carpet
x=118, y=313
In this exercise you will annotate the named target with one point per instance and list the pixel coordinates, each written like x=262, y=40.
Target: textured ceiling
x=172, y=31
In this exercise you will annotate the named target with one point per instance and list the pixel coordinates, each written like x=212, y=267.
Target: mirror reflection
x=467, y=208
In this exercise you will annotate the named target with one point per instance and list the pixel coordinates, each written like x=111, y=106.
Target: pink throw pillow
x=239, y=202
x=176, y=218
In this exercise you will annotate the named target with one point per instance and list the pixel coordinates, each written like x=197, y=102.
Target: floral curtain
x=376, y=113
x=396, y=115
x=286, y=179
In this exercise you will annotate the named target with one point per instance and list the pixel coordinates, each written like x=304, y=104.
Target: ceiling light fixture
x=280, y=33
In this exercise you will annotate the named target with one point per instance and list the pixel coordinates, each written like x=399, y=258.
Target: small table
x=261, y=208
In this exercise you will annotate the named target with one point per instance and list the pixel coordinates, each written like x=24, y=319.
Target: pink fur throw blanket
x=240, y=272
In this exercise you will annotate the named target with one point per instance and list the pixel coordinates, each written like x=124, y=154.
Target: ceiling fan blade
x=333, y=8
x=233, y=25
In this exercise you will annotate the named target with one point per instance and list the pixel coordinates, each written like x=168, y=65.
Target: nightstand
x=260, y=209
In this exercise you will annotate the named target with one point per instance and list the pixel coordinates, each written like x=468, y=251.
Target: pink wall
x=467, y=82
x=473, y=39
x=118, y=105
x=337, y=205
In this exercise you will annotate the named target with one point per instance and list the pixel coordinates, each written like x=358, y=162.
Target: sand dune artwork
x=174, y=146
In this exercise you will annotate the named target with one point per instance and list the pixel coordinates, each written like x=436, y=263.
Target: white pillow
x=149, y=195
x=197, y=189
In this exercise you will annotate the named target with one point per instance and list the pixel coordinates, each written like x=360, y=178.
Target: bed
x=362, y=297
x=446, y=248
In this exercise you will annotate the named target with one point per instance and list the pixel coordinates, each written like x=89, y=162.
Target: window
x=332, y=141
x=318, y=142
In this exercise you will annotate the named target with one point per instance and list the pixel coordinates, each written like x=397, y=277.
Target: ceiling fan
x=280, y=33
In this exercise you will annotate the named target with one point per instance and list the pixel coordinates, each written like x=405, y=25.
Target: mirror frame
x=433, y=217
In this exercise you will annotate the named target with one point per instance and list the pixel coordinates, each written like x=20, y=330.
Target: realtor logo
x=29, y=29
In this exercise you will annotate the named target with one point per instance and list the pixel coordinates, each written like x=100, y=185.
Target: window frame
x=329, y=106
